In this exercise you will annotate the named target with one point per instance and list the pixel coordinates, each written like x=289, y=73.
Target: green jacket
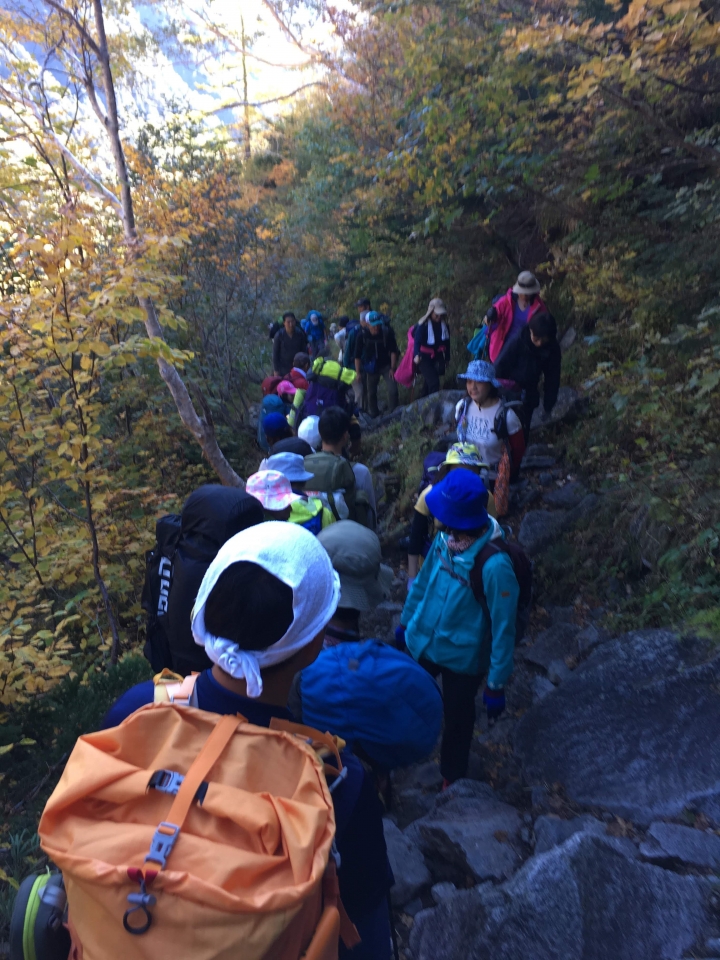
x=446, y=625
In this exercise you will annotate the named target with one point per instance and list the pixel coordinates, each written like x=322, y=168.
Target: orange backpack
x=185, y=834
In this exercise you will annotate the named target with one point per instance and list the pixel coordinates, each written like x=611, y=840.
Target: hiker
x=447, y=629
x=330, y=385
x=424, y=527
x=286, y=343
x=533, y=354
x=376, y=356
x=314, y=327
x=310, y=433
x=387, y=708
x=341, y=335
x=484, y=420
x=210, y=516
x=510, y=312
x=274, y=492
x=353, y=333
x=274, y=327
x=300, y=370
x=334, y=476
x=431, y=351
x=273, y=426
x=260, y=615
x=308, y=511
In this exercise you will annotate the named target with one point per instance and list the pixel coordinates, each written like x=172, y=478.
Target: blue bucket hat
x=459, y=501
x=290, y=465
x=482, y=371
x=374, y=319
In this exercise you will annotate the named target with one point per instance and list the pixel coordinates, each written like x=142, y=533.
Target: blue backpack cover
x=270, y=404
x=374, y=697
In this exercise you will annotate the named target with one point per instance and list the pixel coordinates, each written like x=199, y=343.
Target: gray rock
x=388, y=606
x=558, y=671
x=469, y=831
x=408, y=866
x=538, y=463
x=438, y=408
x=670, y=841
x=540, y=450
x=545, y=479
x=551, y=831
x=443, y=891
x=413, y=908
x=539, y=528
x=539, y=798
x=541, y=687
x=560, y=614
x=584, y=900
x=563, y=410
x=526, y=835
x=568, y=339
x=567, y=497
x=382, y=460
x=634, y=729
x=591, y=637
x=586, y=506
x=555, y=643
x=426, y=776
x=713, y=945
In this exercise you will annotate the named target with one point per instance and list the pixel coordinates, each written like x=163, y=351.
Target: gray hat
x=527, y=284
x=355, y=554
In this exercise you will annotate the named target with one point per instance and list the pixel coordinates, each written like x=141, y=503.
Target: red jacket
x=297, y=379
x=500, y=326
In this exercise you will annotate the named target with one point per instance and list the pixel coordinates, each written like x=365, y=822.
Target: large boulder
x=435, y=410
x=672, y=841
x=567, y=496
x=584, y=900
x=469, y=832
x=634, y=729
x=540, y=527
x=564, y=409
x=408, y=866
x=551, y=831
x=556, y=643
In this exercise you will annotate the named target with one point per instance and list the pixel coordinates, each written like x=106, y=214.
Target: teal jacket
x=445, y=623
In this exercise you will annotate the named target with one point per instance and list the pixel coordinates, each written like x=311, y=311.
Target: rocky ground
x=589, y=825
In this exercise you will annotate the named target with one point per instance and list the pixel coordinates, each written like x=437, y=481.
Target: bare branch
x=262, y=103
x=67, y=15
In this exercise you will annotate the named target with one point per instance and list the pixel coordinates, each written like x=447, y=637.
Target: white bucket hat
x=527, y=284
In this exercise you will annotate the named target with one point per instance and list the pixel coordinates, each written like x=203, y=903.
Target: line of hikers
x=264, y=838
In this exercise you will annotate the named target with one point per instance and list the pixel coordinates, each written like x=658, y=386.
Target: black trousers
x=430, y=370
x=459, y=692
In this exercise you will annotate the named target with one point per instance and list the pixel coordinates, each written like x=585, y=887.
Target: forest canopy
x=437, y=149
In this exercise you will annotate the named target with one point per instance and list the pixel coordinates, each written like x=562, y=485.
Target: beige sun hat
x=527, y=284
x=438, y=306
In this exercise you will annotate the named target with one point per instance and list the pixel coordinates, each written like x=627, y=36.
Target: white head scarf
x=293, y=555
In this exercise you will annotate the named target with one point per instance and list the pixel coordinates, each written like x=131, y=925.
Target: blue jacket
x=446, y=625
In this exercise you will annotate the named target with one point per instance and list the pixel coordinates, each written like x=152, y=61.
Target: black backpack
x=156, y=590
x=500, y=426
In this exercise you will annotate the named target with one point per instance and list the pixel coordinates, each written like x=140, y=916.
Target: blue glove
x=400, y=637
x=494, y=701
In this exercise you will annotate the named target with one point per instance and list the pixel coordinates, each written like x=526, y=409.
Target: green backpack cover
x=331, y=474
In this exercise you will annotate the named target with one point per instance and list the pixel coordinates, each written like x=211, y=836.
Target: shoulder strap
x=476, y=574
x=172, y=688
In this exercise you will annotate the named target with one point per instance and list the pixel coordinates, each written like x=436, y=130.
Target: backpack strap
x=476, y=574
x=172, y=688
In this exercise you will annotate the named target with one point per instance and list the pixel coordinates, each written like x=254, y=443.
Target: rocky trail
x=589, y=825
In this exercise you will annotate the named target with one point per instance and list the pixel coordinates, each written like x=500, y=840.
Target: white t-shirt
x=481, y=432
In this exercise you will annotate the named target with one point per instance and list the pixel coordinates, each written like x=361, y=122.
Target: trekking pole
x=393, y=934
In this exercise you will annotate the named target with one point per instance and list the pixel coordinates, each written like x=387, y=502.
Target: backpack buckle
x=162, y=843
x=166, y=781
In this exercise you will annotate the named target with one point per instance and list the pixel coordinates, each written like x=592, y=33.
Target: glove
x=400, y=637
x=411, y=581
x=494, y=701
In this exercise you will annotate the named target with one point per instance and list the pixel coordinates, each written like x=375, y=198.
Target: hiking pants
x=373, y=379
x=459, y=692
x=431, y=375
x=360, y=391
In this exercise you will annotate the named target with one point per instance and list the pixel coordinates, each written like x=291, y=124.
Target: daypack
x=185, y=834
x=328, y=387
x=348, y=359
x=270, y=385
x=500, y=427
x=431, y=464
x=272, y=403
x=405, y=373
x=333, y=482
x=478, y=346
x=377, y=699
x=523, y=569
x=308, y=513
x=159, y=568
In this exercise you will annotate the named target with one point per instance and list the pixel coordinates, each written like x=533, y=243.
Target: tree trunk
x=245, y=90
x=198, y=427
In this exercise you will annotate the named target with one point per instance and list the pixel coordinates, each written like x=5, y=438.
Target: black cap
x=363, y=302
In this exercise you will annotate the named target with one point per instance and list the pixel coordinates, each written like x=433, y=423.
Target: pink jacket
x=499, y=329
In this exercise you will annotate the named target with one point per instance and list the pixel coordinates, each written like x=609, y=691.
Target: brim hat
x=274, y=423
x=285, y=387
x=482, y=371
x=437, y=305
x=356, y=556
x=459, y=501
x=527, y=284
x=362, y=302
x=462, y=455
x=290, y=465
x=373, y=318
x=272, y=489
